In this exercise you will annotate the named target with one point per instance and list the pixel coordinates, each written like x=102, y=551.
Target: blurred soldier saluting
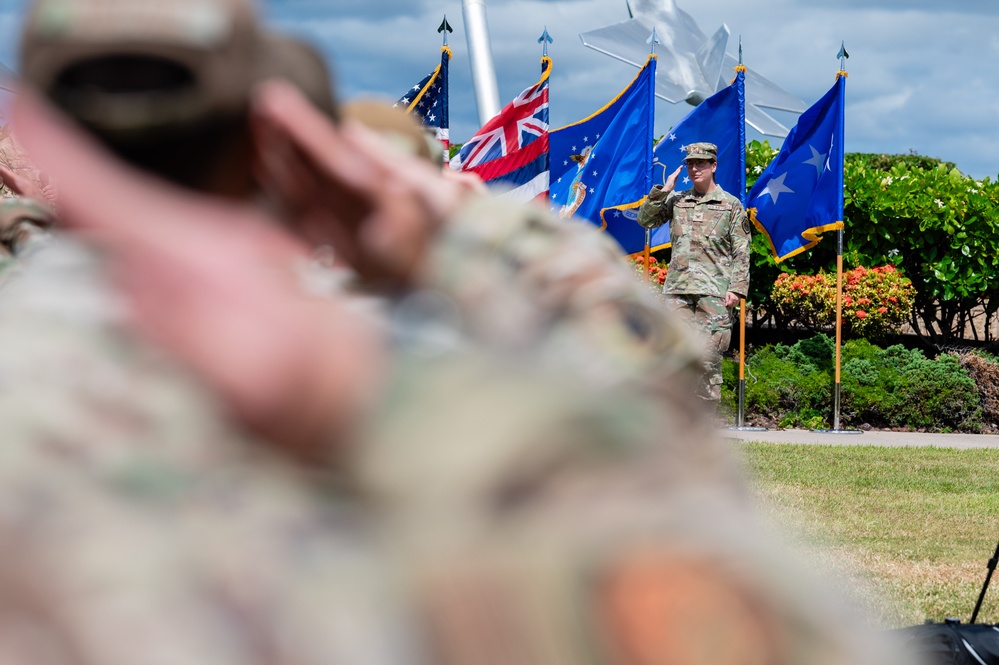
x=486, y=514
x=173, y=90
x=467, y=509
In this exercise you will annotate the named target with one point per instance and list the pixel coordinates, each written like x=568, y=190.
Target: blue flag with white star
x=602, y=165
x=427, y=100
x=800, y=194
x=719, y=119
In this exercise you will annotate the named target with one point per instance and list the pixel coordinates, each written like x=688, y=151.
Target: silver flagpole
x=481, y=58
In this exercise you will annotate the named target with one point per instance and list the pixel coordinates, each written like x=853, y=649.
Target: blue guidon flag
x=800, y=194
x=602, y=165
x=719, y=119
x=427, y=100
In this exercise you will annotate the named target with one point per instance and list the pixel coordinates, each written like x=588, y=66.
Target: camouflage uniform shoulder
x=719, y=194
x=72, y=374
x=534, y=510
x=475, y=425
x=521, y=277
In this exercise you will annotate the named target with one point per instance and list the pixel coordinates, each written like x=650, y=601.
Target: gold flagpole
x=741, y=421
x=648, y=264
x=839, y=325
x=837, y=386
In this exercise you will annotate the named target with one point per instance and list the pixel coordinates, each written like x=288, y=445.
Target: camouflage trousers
x=712, y=322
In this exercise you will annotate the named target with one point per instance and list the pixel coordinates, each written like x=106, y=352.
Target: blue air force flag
x=719, y=119
x=602, y=165
x=800, y=194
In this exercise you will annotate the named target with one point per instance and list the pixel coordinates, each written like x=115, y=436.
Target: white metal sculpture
x=481, y=58
x=691, y=66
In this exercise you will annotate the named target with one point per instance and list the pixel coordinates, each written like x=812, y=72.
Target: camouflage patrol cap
x=702, y=151
x=122, y=66
x=396, y=126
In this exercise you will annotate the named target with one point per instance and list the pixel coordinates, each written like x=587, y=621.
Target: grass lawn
x=910, y=530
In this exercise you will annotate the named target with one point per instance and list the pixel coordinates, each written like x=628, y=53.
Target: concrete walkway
x=873, y=438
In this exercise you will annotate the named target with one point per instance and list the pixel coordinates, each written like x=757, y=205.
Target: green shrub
x=786, y=386
x=864, y=372
x=792, y=386
x=939, y=394
x=860, y=349
x=900, y=387
x=820, y=350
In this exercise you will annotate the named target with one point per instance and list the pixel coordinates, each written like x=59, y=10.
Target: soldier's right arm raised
x=657, y=208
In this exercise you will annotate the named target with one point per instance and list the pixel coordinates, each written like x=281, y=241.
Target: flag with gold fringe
x=427, y=100
x=719, y=119
x=799, y=195
x=611, y=157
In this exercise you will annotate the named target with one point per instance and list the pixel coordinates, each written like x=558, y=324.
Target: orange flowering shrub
x=876, y=301
x=657, y=271
x=808, y=299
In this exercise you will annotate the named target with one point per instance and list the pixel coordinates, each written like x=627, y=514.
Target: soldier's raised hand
x=377, y=207
x=660, y=192
x=218, y=285
x=671, y=180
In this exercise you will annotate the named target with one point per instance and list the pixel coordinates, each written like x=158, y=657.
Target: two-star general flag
x=510, y=152
x=800, y=194
x=427, y=100
x=604, y=162
x=719, y=119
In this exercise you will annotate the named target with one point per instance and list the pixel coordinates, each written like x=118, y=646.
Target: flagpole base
x=838, y=431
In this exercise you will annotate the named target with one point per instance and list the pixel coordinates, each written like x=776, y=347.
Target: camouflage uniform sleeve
x=517, y=277
x=739, y=284
x=582, y=526
x=656, y=211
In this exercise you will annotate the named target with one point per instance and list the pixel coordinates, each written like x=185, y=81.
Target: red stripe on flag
x=513, y=161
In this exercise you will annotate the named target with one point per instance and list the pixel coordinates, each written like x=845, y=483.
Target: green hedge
x=895, y=387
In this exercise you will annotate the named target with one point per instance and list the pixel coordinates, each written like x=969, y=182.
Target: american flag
x=511, y=151
x=427, y=100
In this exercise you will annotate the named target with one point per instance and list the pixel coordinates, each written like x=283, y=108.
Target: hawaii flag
x=510, y=153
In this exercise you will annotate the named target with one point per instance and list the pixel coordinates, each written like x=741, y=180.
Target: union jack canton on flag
x=427, y=100
x=510, y=152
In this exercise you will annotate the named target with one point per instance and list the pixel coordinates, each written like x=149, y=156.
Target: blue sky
x=921, y=74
